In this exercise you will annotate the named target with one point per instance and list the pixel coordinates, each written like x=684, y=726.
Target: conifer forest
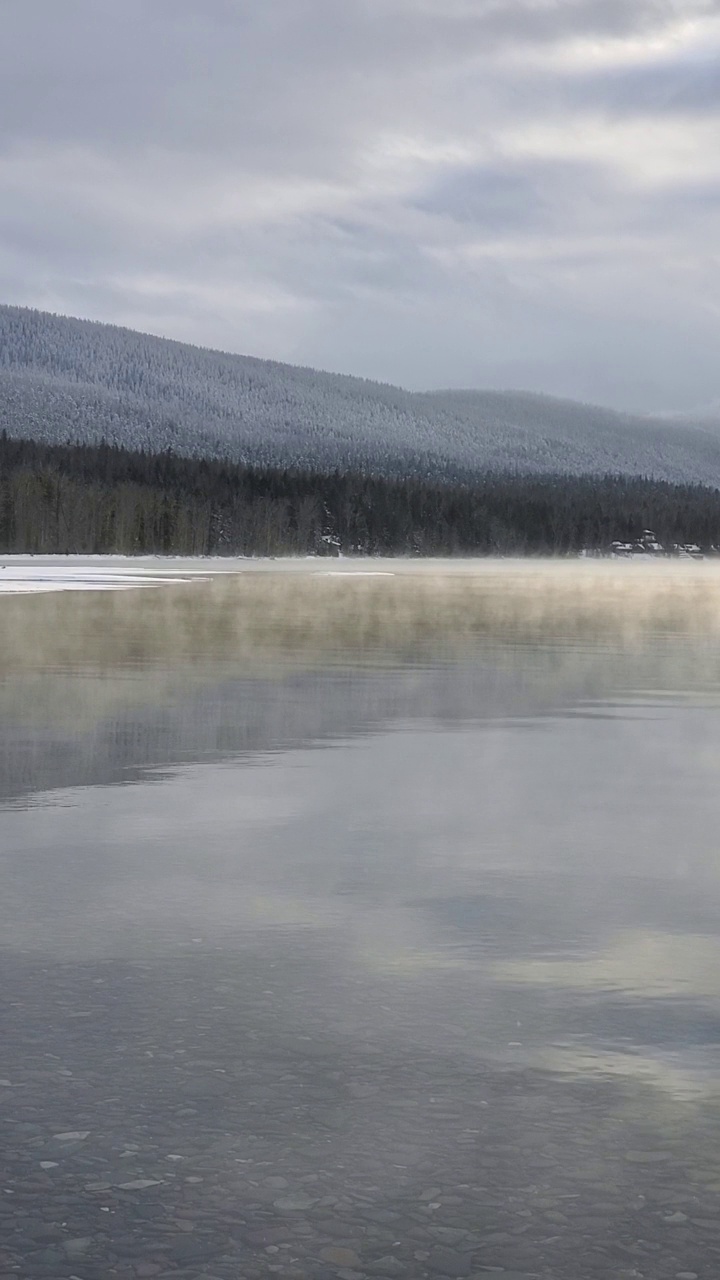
x=94, y=499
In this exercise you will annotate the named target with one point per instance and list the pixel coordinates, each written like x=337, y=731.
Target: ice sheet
x=16, y=579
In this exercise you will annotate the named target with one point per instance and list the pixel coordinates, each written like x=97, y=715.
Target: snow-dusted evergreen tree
x=65, y=380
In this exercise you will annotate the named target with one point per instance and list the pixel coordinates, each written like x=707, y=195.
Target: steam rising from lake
x=306, y=614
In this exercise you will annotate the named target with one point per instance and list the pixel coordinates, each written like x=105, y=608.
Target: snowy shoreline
x=20, y=575
x=23, y=574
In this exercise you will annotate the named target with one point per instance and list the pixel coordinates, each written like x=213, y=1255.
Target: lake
x=361, y=920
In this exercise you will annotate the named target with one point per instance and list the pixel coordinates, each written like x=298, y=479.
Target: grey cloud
x=182, y=72
x=680, y=85
x=406, y=189
x=514, y=196
x=485, y=196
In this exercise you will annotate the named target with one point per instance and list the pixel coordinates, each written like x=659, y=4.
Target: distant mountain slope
x=65, y=380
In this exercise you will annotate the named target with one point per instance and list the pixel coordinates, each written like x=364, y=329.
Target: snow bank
x=16, y=579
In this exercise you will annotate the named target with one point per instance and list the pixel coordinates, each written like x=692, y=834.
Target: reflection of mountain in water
x=219, y=716
x=97, y=689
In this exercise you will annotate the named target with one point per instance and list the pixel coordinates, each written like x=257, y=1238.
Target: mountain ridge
x=65, y=379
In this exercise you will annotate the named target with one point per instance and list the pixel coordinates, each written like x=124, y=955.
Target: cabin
x=690, y=551
x=646, y=545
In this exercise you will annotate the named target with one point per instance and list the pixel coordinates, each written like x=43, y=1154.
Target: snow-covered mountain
x=63, y=379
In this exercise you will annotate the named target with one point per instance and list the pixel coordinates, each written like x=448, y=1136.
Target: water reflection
x=371, y=933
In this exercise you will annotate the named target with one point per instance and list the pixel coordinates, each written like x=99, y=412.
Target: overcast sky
x=507, y=193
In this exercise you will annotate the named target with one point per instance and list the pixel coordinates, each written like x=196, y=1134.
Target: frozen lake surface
x=359, y=919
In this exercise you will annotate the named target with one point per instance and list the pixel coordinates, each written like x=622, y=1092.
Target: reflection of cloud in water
x=680, y=973
x=637, y=963
x=687, y=1075
x=435, y=867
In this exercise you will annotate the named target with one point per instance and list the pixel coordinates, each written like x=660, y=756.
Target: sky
x=435, y=193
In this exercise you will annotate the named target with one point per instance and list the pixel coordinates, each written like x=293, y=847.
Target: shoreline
x=30, y=575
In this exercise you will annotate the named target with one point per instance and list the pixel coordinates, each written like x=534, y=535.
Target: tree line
x=94, y=499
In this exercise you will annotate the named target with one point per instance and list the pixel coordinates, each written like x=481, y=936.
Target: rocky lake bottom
x=377, y=936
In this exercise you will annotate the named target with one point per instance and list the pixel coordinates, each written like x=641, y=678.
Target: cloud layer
x=431, y=192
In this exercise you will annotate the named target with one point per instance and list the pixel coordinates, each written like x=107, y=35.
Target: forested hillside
x=95, y=499
x=65, y=380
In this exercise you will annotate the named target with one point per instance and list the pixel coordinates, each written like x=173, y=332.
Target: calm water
x=361, y=928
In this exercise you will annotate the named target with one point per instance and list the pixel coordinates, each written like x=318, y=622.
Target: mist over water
x=363, y=925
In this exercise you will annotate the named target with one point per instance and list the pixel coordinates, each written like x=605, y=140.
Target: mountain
x=64, y=380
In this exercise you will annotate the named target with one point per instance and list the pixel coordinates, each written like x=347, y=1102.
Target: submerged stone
x=340, y=1257
x=448, y=1262
x=294, y=1204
